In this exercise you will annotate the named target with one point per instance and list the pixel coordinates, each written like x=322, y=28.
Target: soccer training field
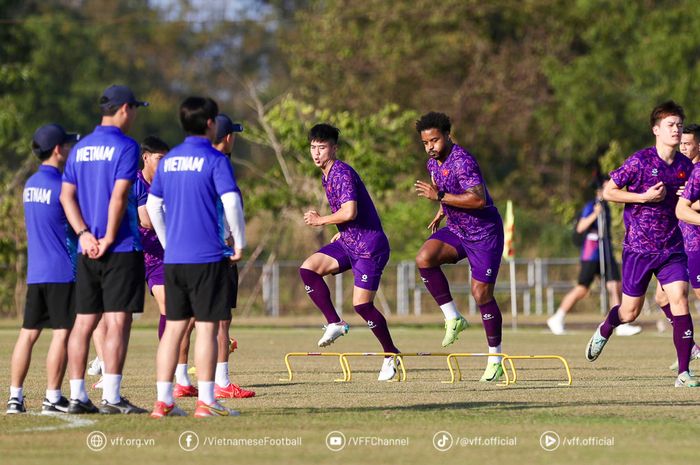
x=621, y=409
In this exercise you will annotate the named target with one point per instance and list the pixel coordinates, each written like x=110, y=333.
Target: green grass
x=627, y=395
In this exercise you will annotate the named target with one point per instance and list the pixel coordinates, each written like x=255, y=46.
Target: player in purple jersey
x=360, y=245
x=474, y=231
x=653, y=242
x=96, y=196
x=188, y=185
x=50, y=272
x=223, y=387
x=587, y=225
x=690, y=147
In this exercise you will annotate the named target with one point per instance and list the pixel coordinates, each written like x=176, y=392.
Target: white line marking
x=71, y=421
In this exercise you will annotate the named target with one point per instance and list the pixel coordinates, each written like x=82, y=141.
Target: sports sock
x=77, y=390
x=206, y=392
x=436, y=283
x=53, y=395
x=449, y=310
x=377, y=323
x=161, y=326
x=17, y=392
x=110, y=388
x=165, y=392
x=495, y=358
x=559, y=314
x=667, y=311
x=181, y=376
x=611, y=322
x=493, y=322
x=319, y=294
x=221, y=376
x=683, y=340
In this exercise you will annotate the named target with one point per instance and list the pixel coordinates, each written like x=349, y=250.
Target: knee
x=481, y=294
x=423, y=259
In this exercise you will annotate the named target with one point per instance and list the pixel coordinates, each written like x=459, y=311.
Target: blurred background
x=546, y=94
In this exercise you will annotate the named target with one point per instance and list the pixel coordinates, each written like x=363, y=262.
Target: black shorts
x=114, y=282
x=233, y=283
x=49, y=305
x=201, y=290
x=591, y=268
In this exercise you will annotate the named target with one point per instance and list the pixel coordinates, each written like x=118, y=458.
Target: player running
x=360, y=245
x=653, y=242
x=474, y=231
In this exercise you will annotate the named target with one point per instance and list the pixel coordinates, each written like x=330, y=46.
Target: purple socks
x=161, y=327
x=667, y=311
x=683, y=340
x=493, y=322
x=611, y=322
x=436, y=283
x=377, y=323
x=319, y=293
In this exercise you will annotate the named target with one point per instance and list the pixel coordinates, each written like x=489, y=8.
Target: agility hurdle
x=454, y=357
x=314, y=354
x=510, y=359
x=417, y=354
x=346, y=369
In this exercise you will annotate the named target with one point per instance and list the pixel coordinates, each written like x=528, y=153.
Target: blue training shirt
x=95, y=163
x=190, y=179
x=51, y=242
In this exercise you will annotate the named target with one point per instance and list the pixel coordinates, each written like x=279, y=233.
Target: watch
x=440, y=196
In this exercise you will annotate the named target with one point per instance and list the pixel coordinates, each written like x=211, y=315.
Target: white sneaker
x=95, y=367
x=627, y=330
x=556, y=325
x=388, y=370
x=333, y=332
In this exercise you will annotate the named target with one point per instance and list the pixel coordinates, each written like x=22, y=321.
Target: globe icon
x=96, y=441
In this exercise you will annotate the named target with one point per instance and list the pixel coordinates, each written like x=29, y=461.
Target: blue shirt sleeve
x=140, y=193
x=222, y=176
x=128, y=163
x=587, y=210
x=69, y=170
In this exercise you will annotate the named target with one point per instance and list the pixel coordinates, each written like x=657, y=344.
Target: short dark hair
x=195, y=112
x=435, y=120
x=42, y=156
x=663, y=110
x=154, y=144
x=693, y=129
x=107, y=109
x=324, y=132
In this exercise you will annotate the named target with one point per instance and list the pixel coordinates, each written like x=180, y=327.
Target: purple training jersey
x=455, y=175
x=152, y=250
x=691, y=232
x=363, y=237
x=652, y=227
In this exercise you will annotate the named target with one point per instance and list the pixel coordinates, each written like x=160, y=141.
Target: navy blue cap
x=49, y=136
x=224, y=126
x=116, y=96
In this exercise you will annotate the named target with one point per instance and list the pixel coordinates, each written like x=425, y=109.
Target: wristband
x=440, y=196
x=83, y=231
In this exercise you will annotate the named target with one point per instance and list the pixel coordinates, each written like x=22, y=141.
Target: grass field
x=626, y=400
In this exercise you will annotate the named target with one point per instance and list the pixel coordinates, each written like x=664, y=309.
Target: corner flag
x=509, y=232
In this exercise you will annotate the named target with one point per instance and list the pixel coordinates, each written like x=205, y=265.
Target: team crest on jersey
x=681, y=174
x=445, y=172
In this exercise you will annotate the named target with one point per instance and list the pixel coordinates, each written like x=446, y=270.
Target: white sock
x=206, y=392
x=181, y=376
x=495, y=358
x=165, y=392
x=17, y=392
x=450, y=310
x=53, y=395
x=111, y=385
x=77, y=390
x=560, y=314
x=221, y=376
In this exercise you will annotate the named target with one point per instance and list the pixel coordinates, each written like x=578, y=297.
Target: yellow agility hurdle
x=314, y=354
x=346, y=365
x=454, y=357
x=510, y=359
x=401, y=355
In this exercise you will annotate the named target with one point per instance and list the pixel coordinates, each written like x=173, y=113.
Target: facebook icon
x=188, y=441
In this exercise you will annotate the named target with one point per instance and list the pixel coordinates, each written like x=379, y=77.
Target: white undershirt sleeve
x=233, y=211
x=156, y=211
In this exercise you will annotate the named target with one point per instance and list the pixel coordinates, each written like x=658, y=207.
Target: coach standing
x=110, y=272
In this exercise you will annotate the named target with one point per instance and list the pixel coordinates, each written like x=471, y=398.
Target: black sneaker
x=123, y=406
x=14, y=405
x=78, y=407
x=53, y=408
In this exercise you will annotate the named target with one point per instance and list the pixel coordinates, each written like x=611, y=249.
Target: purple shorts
x=367, y=271
x=694, y=268
x=155, y=276
x=484, y=256
x=638, y=268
